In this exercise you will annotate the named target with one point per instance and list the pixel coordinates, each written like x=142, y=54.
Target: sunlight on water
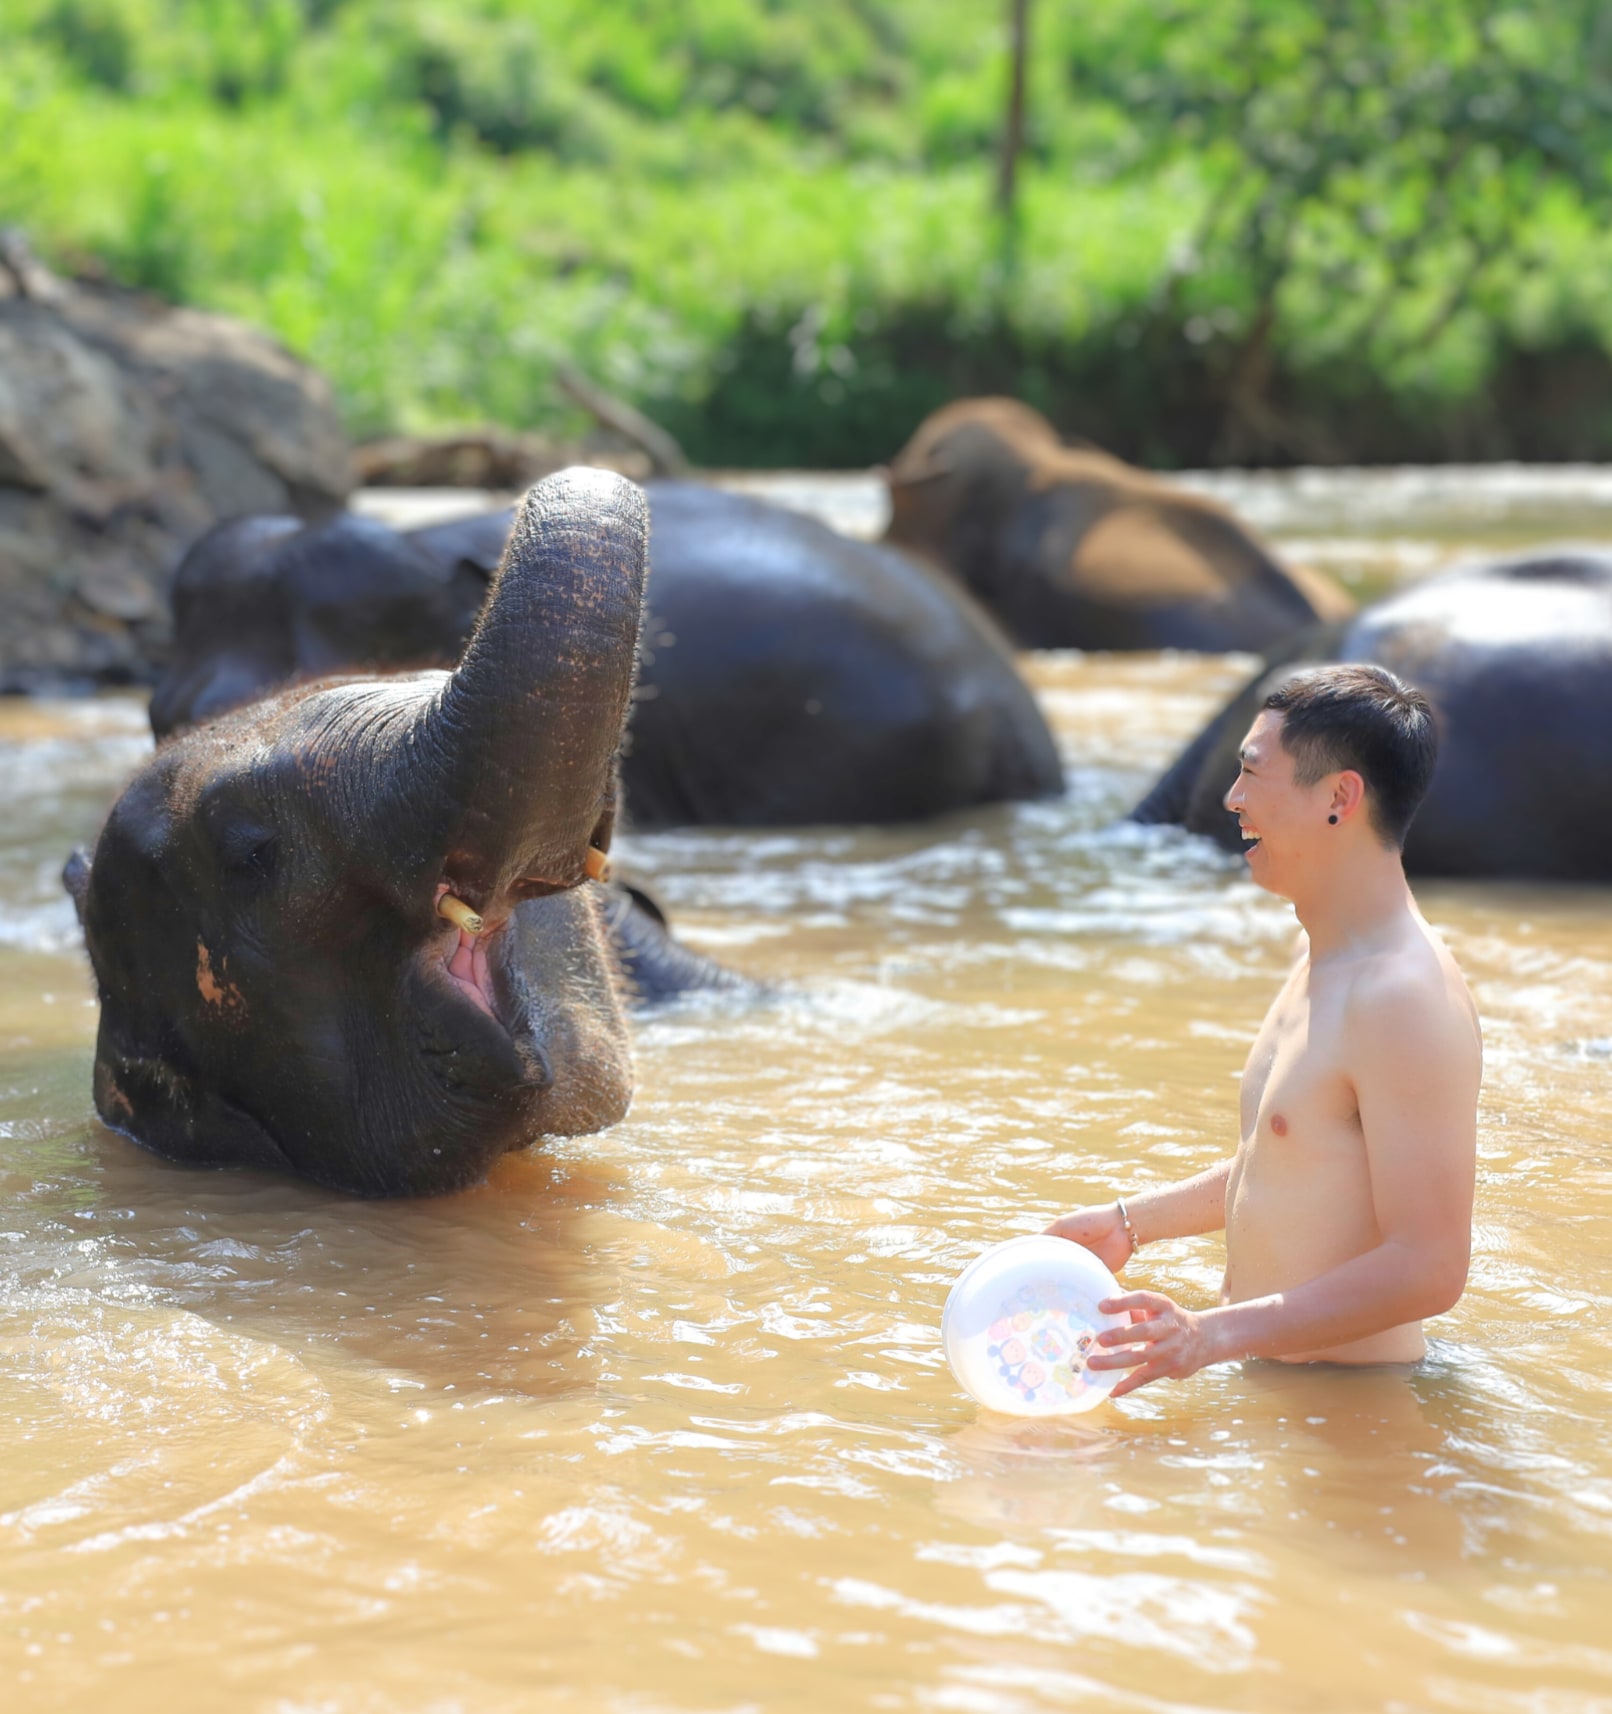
x=658, y=1419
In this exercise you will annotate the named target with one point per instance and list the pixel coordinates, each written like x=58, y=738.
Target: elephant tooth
x=459, y=914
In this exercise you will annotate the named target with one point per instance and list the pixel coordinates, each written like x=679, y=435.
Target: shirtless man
x=1348, y=1206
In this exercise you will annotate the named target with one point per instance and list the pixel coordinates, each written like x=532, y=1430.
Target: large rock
x=128, y=427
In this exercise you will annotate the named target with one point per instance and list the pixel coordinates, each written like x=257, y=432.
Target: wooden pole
x=1007, y=175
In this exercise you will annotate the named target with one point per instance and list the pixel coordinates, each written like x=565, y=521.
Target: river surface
x=658, y=1419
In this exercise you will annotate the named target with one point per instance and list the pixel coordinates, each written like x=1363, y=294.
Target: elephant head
x=258, y=602
x=954, y=486
x=277, y=984
x=1070, y=548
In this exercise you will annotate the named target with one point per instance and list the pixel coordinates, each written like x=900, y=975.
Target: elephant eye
x=249, y=854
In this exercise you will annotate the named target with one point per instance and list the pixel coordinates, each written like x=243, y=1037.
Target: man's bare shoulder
x=1409, y=997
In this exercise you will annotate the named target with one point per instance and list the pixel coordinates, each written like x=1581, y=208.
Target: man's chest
x=1296, y=1086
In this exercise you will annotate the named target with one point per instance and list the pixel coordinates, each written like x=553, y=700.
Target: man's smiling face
x=1281, y=820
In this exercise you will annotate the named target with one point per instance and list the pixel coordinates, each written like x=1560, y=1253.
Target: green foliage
x=94, y=38
x=1249, y=228
x=225, y=51
x=1375, y=171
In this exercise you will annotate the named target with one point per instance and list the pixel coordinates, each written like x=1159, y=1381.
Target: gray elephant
x=1517, y=659
x=1072, y=549
x=348, y=932
x=789, y=675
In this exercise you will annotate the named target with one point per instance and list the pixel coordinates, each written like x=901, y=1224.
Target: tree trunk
x=1007, y=175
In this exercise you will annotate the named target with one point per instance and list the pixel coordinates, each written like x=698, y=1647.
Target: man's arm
x=1416, y=1069
x=1173, y=1211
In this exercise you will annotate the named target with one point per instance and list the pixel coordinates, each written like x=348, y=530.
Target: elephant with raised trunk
x=1516, y=658
x=1072, y=549
x=789, y=675
x=279, y=986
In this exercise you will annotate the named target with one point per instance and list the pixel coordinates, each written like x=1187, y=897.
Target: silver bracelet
x=1130, y=1230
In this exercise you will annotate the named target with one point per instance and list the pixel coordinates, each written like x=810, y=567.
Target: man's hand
x=1163, y=1342
x=1102, y=1232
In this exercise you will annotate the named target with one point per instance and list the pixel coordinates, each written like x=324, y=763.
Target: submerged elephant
x=788, y=675
x=1517, y=659
x=1072, y=549
x=255, y=593
x=263, y=911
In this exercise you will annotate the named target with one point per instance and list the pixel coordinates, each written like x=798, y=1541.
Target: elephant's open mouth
x=525, y=1017
x=470, y=971
x=457, y=1042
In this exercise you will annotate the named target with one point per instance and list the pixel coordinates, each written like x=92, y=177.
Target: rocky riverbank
x=127, y=427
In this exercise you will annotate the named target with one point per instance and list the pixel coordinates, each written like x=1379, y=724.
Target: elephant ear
x=76, y=879
x=149, y=1100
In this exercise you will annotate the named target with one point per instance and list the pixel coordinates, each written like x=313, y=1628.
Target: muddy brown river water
x=658, y=1419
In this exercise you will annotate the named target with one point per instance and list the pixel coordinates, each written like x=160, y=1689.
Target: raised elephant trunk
x=523, y=736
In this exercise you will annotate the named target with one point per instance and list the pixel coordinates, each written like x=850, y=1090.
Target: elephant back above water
x=788, y=675
x=1072, y=549
x=1516, y=657
x=791, y=675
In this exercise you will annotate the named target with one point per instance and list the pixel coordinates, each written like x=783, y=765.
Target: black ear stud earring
x=1333, y=819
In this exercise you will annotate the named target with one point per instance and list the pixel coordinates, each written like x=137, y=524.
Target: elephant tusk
x=463, y=917
x=459, y=914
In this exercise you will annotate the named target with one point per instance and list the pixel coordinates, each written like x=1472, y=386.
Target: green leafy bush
x=1248, y=229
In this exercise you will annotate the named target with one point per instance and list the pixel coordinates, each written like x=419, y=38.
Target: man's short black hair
x=1364, y=718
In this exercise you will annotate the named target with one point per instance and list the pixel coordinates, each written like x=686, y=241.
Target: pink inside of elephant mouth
x=471, y=973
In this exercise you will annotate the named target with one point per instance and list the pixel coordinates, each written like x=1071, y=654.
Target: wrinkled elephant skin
x=1517, y=660
x=277, y=987
x=1073, y=549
